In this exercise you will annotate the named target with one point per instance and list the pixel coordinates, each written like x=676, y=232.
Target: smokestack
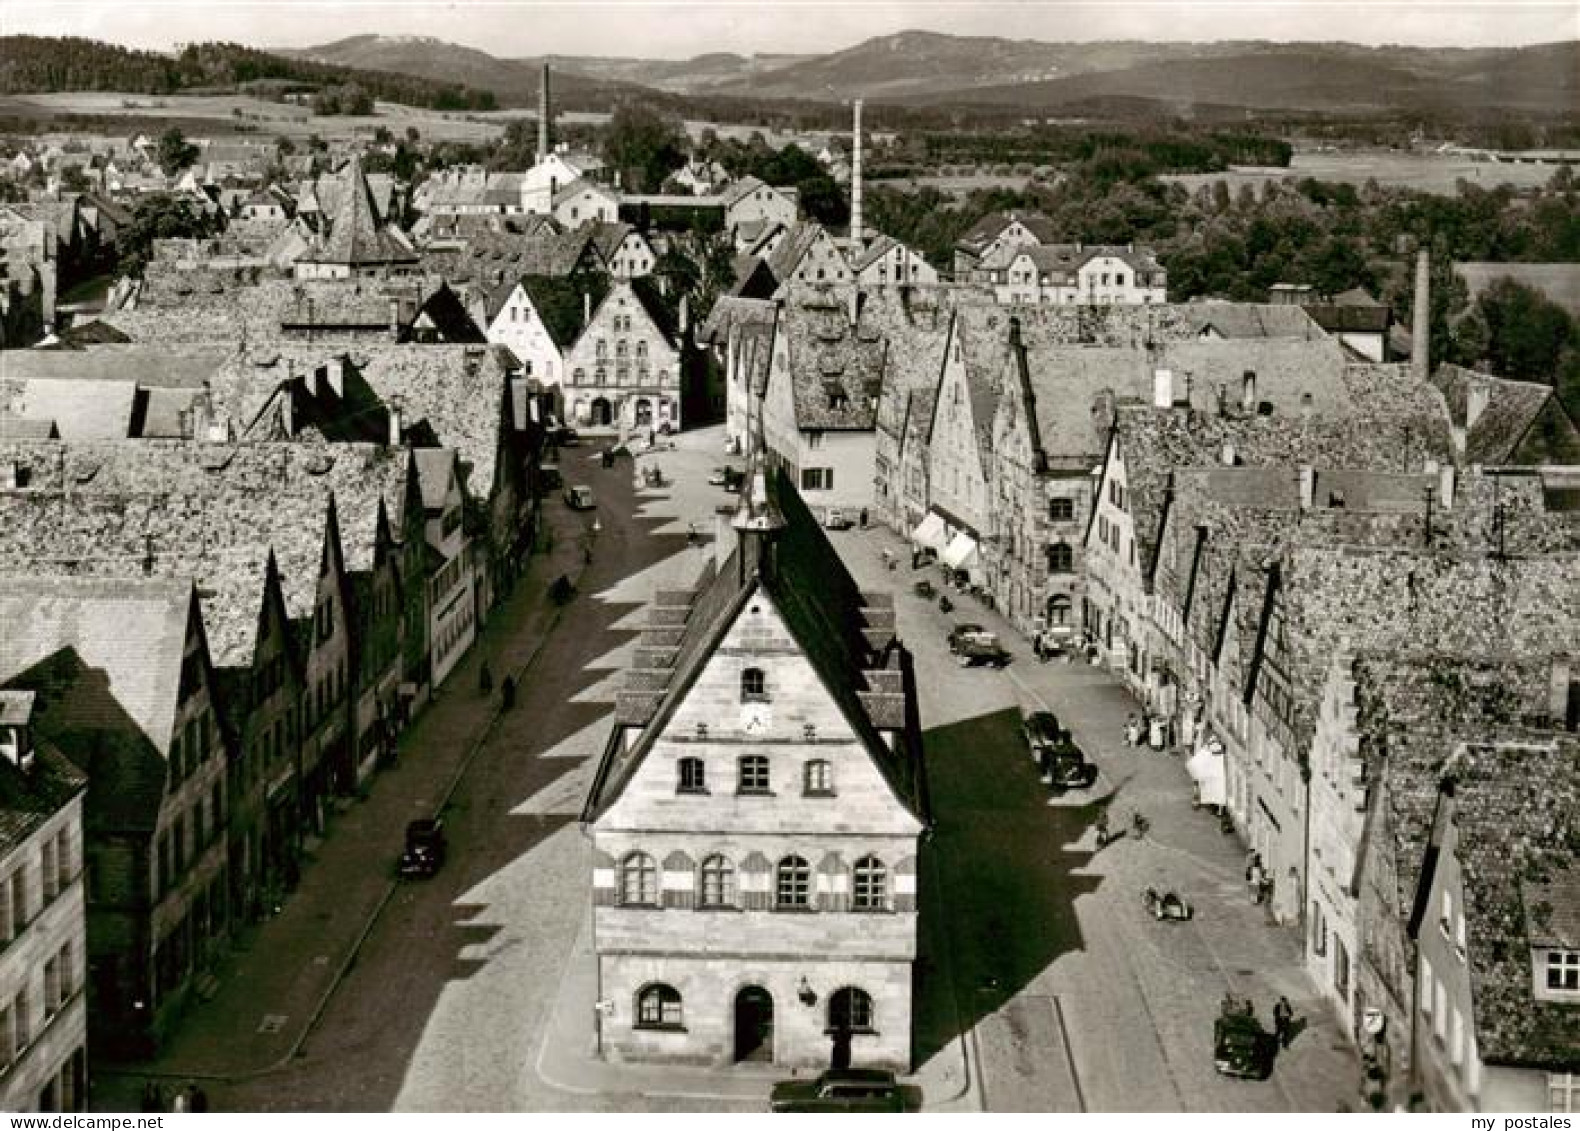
x=855, y=183
x=1421, y=326
x=1308, y=486
x=543, y=114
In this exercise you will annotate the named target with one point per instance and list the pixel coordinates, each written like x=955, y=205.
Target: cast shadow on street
x=1000, y=878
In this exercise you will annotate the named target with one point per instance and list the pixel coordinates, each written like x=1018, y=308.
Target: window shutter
x=679, y=883
x=756, y=883
x=904, y=880
x=604, y=867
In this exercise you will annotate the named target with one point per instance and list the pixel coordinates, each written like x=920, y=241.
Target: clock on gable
x=756, y=718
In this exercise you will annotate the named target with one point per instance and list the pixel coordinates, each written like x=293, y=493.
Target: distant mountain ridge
x=924, y=67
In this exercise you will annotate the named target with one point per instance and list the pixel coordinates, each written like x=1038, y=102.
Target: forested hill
x=33, y=64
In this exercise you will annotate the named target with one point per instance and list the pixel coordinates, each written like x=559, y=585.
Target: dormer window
x=1563, y=972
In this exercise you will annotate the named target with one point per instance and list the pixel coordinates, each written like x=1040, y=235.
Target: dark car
x=579, y=498
x=1241, y=1047
x=849, y=1089
x=959, y=632
x=982, y=648
x=425, y=848
x=1064, y=766
x=565, y=437
x=1042, y=730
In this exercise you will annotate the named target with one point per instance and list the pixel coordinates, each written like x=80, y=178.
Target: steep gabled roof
x=846, y=636
x=1508, y=411
x=991, y=226
x=1516, y=806
x=358, y=236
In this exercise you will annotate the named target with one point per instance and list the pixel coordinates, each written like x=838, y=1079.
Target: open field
x=1427, y=172
x=241, y=114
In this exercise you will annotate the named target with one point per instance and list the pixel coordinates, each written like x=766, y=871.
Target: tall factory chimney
x=543, y=115
x=855, y=183
x=1421, y=326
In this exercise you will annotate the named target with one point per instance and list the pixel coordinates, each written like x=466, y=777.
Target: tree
x=644, y=145
x=284, y=146
x=1527, y=333
x=157, y=217
x=175, y=153
x=73, y=179
x=382, y=135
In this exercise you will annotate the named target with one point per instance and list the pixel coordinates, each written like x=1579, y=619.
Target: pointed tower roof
x=356, y=236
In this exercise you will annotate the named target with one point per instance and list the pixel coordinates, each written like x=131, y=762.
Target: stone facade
x=755, y=867
x=624, y=370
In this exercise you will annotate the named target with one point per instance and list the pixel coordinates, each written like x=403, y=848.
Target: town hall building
x=756, y=814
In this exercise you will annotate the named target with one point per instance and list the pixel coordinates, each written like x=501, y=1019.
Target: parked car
x=848, y=1089
x=959, y=632
x=836, y=519
x=1042, y=730
x=549, y=477
x=579, y=498
x=425, y=848
x=981, y=648
x=1241, y=1047
x=1065, y=767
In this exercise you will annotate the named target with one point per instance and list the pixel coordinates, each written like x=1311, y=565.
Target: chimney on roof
x=148, y=554
x=543, y=115
x=1477, y=394
x=855, y=182
x=1308, y=485
x=1421, y=323
x=1445, y=486
x=16, y=728
x=1185, y=386
x=1162, y=388
x=684, y=315
x=1226, y=454
x=395, y=430
x=1248, y=390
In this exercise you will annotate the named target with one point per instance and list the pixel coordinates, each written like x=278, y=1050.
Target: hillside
x=35, y=64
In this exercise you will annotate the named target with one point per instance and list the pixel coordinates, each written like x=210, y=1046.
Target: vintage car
x=974, y=648
x=425, y=849
x=1241, y=1047
x=579, y=498
x=959, y=632
x=836, y=519
x=1041, y=730
x=847, y=1089
x=1065, y=767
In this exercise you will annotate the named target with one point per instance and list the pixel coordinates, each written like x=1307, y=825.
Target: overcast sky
x=630, y=27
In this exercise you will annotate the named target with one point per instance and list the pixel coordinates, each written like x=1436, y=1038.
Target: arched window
x=638, y=880
x=819, y=777
x=753, y=774
x=792, y=883
x=1061, y=558
x=693, y=776
x=718, y=882
x=850, y=1011
x=658, y=1007
x=754, y=684
x=869, y=889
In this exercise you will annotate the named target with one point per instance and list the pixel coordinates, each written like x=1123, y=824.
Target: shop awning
x=1206, y=769
x=961, y=553
x=930, y=533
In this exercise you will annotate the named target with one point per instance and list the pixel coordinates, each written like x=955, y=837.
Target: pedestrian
x=863, y=519
x=1101, y=825
x=485, y=679
x=1284, y=1021
x=508, y=692
x=692, y=537
x=1254, y=875
x=1155, y=733
x=182, y=1102
x=197, y=1099
x=1132, y=730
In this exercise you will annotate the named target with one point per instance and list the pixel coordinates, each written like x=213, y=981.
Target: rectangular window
x=817, y=479
x=63, y=858
x=46, y=869
x=1456, y=1038
x=1563, y=1091
x=754, y=774
x=1426, y=987
x=21, y=1020
x=1061, y=510
x=51, y=987
x=18, y=901
x=1563, y=971
x=1440, y=1010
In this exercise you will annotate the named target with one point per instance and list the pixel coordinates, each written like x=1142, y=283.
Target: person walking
x=182, y=1102
x=508, y=692
x=1101, y=825
x=485, y=679
x=1255, y=874
x=863, y=519
x=1283, y=1021
x=1132, y=730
